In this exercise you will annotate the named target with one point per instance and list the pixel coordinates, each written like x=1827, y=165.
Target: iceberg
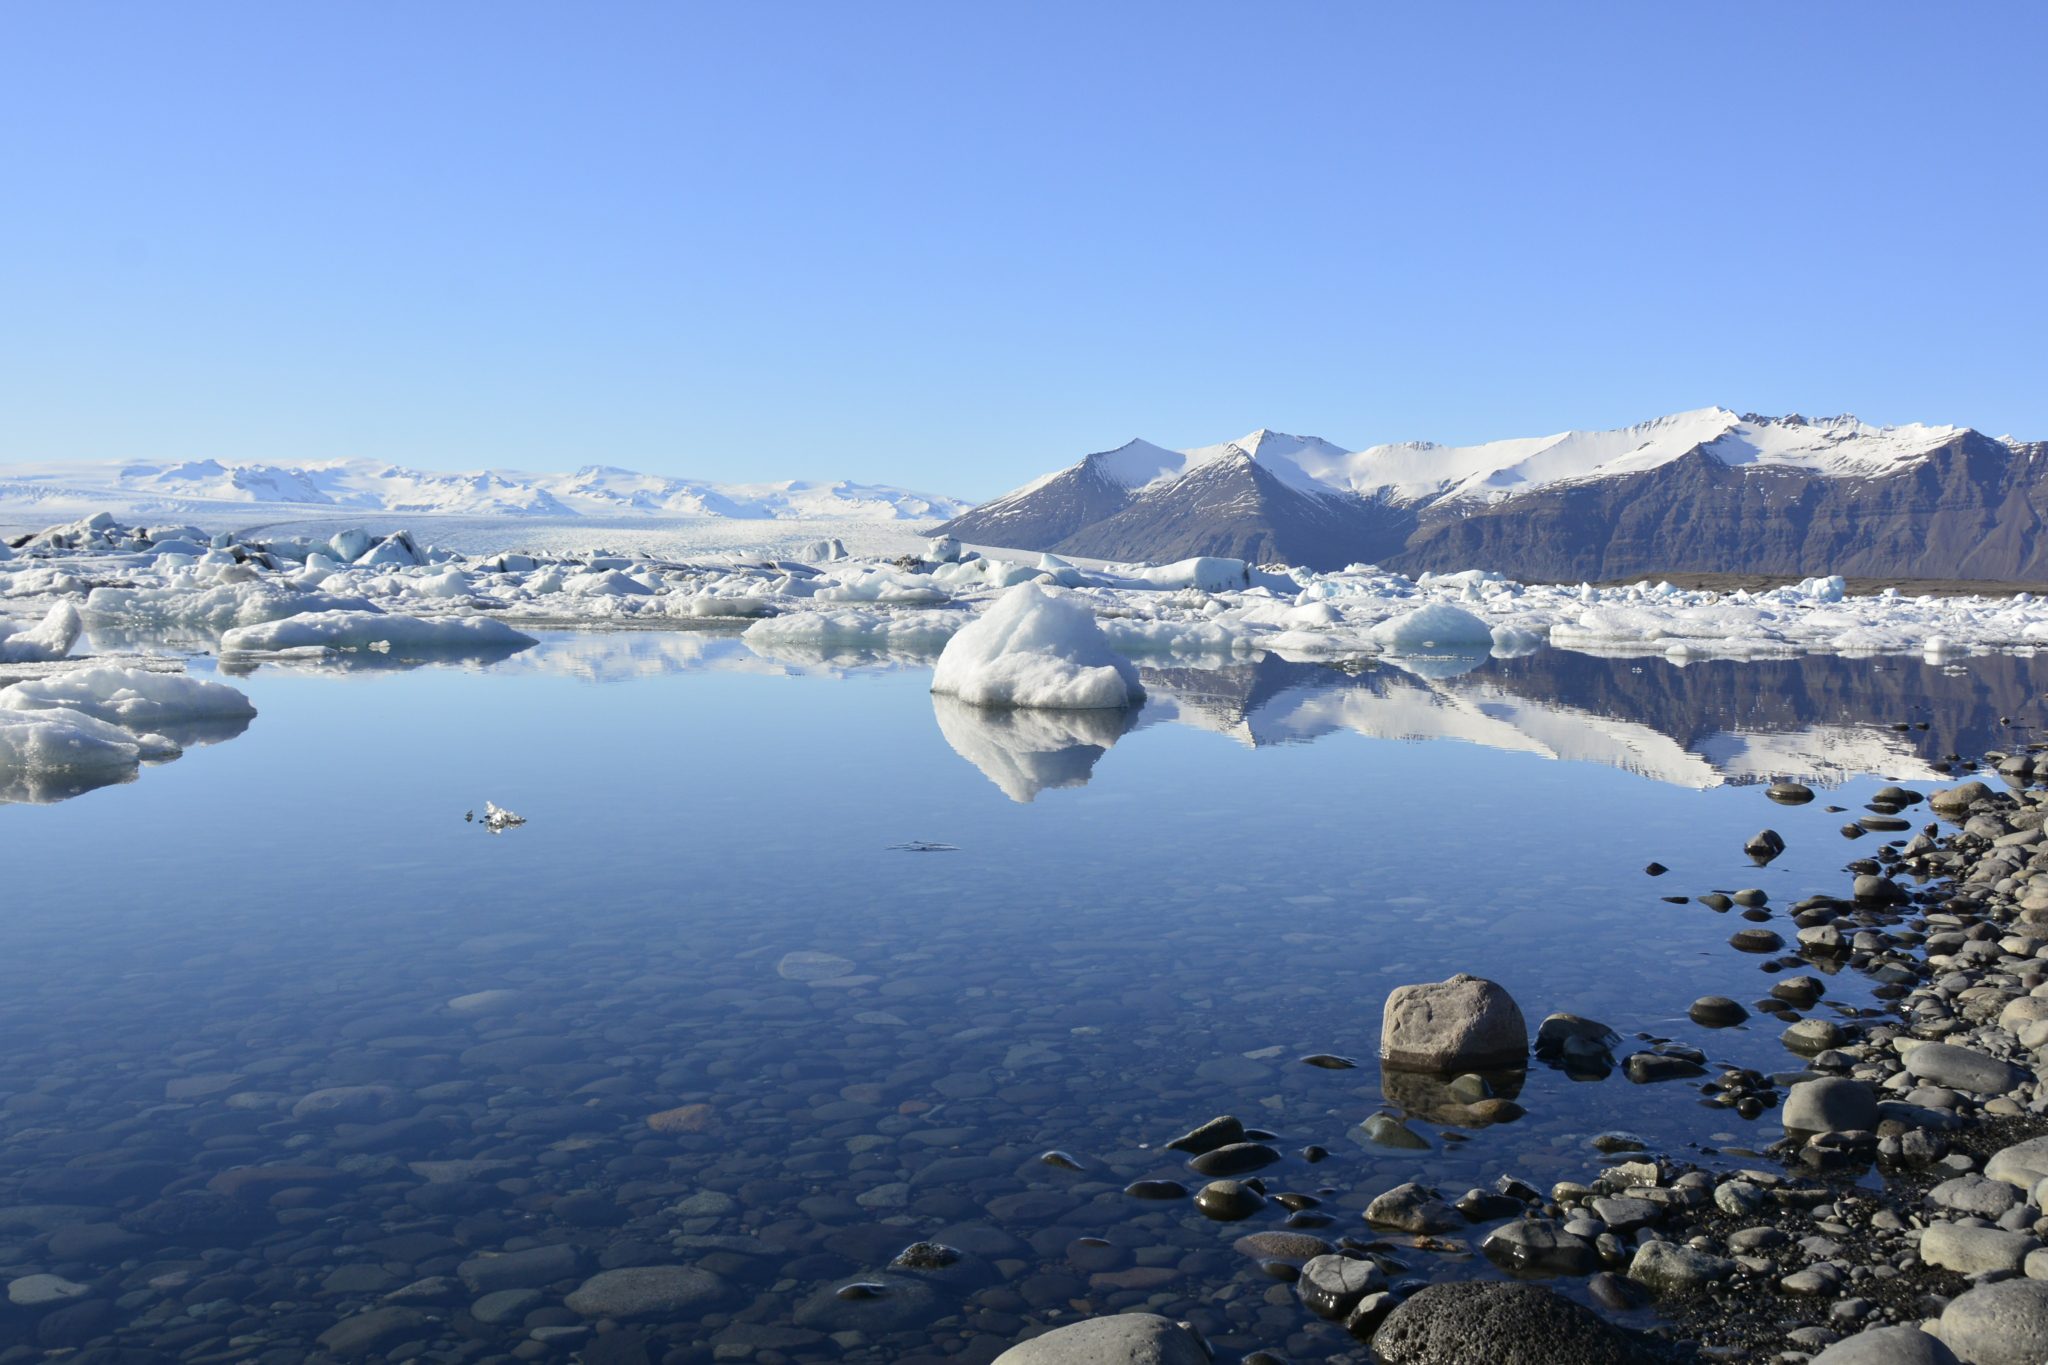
x=1033, y=648
x=52, y=639
x=1438, y=627
x=137, y=698
x=49, y=755
x=360, y=630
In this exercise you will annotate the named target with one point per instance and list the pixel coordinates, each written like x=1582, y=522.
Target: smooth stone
x=1962, y=1068
x=1331, y=1286
x=1235, y=1159
x=1669, y=1268
x=1972, y=1250
x=1809, y=1037
x=40, y=1291
x=1229, y=1201
x=1789, y=793
x=1464, y=1024
x=503, y=1306
x=1755, y=941
x=1538, y=1246
x=2024, y=1164
x=1830, y=1105
x=1999, y=1324
x=529, y=1269
x=1887, y=1346
x=1463, y=1323
x=1125, y=1339
x=1412, y=1208
x=1717, y=1011
x=374, y=1330
x=1975, y=1195
x=647, y=1291
x=1221, y=1131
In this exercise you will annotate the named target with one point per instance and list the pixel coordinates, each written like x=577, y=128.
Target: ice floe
x=1034, y=648
x=137, y=698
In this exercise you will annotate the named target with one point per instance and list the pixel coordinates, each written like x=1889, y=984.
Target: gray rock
x=1972, y=1250
x=1811, y=1036
x=504, y=1306
x=1975, y=1195
x=528, y=1269
x=1669, y=1268
x=1413, y=1208
x=1832, y=1105
x=647, y=1291
x=2024, y=1164
x=40, y=1291
x=1538, y=1246
x=1999, y=1324
x=1125, y=1339
x=1463, y=1024
x=1887, y=1346
x=1331, y=1286
x=1501, y=1324
x=1962, y=1068
x=372, y=1331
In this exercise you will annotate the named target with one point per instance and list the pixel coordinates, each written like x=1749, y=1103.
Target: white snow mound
x=1036, y=648
x=133, y=697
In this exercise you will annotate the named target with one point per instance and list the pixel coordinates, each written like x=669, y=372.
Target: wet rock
x=647, y=1291
x=1962, y=1068
x=1281, y=1246
x=1156, y=1189
x=1217, y=1132
x=42, y=1291
x=372, y=1331
x=1999, y=1324
x=1647, y=1068
x=1810, y=1037
x=1386, y=1130
x=1329, y=1061
x=1412, y=1208
x=1669, y=1268
x=1887, y=1346
x=1331, y=1286
x=1764, y=845
x=1789, y=793
x=1229, y=1201
x=1501, y=1324
x=1463, y=1024
x=1830, y=1105
x=528, y=1269
x=1125, y=1339
x=1717, y=1011
x=925, y=1256
x=1539, y=1246
x=1235, y=1159
x=1755, y=941
x=1873, y=889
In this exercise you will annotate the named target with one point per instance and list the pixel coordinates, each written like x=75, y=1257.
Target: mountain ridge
x=1707, y=490
x=379, y=486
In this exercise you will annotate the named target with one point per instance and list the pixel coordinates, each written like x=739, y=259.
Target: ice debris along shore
x=177, y=579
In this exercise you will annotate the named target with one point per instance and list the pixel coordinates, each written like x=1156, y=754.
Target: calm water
x=1140, y=924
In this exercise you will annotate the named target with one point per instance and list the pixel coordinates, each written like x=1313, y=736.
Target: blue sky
x=951, y=246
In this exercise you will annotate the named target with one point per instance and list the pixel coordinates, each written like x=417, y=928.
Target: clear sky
x=955, y=245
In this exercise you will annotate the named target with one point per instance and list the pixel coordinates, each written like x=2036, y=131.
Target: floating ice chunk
x=352, y=630
x=497, y=819
x=1207, y=572
x=350, y=545
x=1511, y=642
x=70, y=744
x=942, y=550
x=804, y=632
x=214, y=608
x=52, y=639
x=606, y=583
x=136, y=698
x=1437, y=626
x=1033, y=648
x=1026, y=751
x=1829, y=589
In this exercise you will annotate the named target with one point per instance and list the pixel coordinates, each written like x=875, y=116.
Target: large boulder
x=1887, y=1346
x=2024, y=1164
x=1125, y=1339
x=1833, y=1104
x=1463, y=1024
x=1962, y=1068
x=1459, y=1323
x=1999, y=1324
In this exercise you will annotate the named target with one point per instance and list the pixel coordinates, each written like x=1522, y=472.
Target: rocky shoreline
x=1899, y=1221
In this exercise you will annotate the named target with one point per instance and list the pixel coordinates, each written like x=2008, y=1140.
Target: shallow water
x=1141, y=923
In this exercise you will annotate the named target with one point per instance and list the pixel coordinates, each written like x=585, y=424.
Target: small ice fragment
x=497, y=819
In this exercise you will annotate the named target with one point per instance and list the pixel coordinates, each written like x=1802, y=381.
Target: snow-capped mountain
x=1704, y=491
x=145, y=489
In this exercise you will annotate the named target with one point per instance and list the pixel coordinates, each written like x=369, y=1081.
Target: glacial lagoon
x=792, y=966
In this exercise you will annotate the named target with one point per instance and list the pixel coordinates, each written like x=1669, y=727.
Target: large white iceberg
x=51, y=753
x=357, y=630
x=137, y=698
x=1035, y=648
x=1438, y=626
